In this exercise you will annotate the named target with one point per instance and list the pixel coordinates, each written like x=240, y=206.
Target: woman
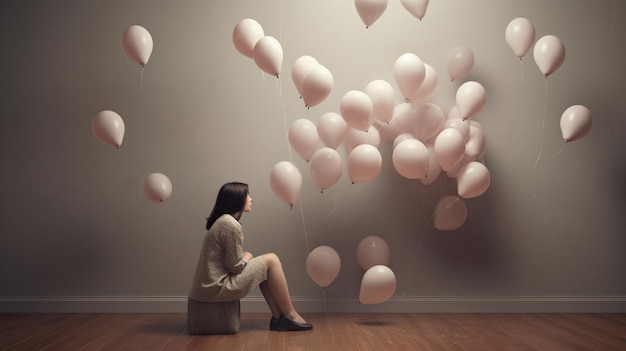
x=226, y=273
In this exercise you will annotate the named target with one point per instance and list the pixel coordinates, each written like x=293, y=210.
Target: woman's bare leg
x=278, y=288
x=269, y=298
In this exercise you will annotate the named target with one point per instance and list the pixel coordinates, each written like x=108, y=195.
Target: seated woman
x=226, y=273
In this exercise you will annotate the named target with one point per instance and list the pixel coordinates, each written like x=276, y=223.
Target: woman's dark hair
x=231, y=199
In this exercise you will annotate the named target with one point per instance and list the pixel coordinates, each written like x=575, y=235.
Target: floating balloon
x=268, y=55
x=323, y=265
x=409, y=72
x=460, y=62
x=381, y=94
x=575, y=123
x=449, y=148
x=364, y=163
x=108, y=128
x=301, y=67
x=354, y=138
x=370, y=10
x=303, y=137
x=356, y=108
x=450, y=213
x=286, y=182
x=416, y=7
x=331, y=128
x=137, y=44
x=520, y=36
x=473, y=180
x=410, y=159
x=371, y=251
x=157, y=187
x=428, y=86
x=326, y=167
x=246, y=34
x=317, y=85
x=427, y=121
x=471, y=98
x=401, y=120
x=434, y=169
x=461, y=125
x=476, y=143
x=549, y=54
x=377, y=285
x=400, y=138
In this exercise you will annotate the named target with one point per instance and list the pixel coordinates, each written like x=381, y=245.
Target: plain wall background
x=74, y=221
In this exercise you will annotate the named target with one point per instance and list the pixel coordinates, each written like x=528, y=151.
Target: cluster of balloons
x=108, y=126
x=377, y=284
x=250, y=40
x=549, y=55
x=371, y=10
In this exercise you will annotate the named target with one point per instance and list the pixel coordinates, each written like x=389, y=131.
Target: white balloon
x=323, y=265
x=428, y=86
x=427, y=120
x=575, y=123
x=301, y=67
x=137, y=44
x=409, y=72
x=450, y=213
x=331, y=128
x=371, y=251
x=246, y=34
x=416, y=7
x=268, y=55
x=401, y=121
x=377, y=285
x=381, y=94
x=410, y=159
x=108, y=128
x=370, y=10
x=286, y=182
x=317, y=85
x=356, y=108
x=460, y=62
x=400, y=138
x=354, y=138
x=463, y=126
x=303, y=138
x=549, y=54
x=520, y=36
x=473, y=180
x=471, y=98
x=449, y=148
x=476, y=143
x=434, y=169
x=157, y=187
x=326, y=167
x=364, y=163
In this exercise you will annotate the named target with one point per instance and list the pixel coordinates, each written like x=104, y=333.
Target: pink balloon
x=476, y=143
x=471, y=98
x=372, y=251
x=326, y=167
x=317, y=85
x=356, y=108
x=576, y=123
x=401, y=120
x=354, y=138
x=301, y=67
x=246, y=34
x=460, y=62
x=286, y=182
x=434, y=169
x=331, y=128
x=449, y=148
x=520, y=36
x=268, y=55
x=377, y=285
x=473, y=180
x=323, y=265
x=409, y=72
x=459, y=124
x=428, y=86
x=370, y=10
x=157, y=187
x=303, y=138
x=137, y=44
x=427, y=120
x=381, y=94
x=410, y=159
x=454, y=113
x=416, y=7
x=450, y=213
x=549, y=54
x=454, y=171
x=108, y=128
x=364, y=163
x=400, y=138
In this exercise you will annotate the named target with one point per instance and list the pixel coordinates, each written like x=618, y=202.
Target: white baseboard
x=254, y=304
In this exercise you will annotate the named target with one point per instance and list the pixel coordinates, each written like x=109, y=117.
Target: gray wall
x=75, y=224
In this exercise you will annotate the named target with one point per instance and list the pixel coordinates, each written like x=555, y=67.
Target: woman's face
x=248, y=206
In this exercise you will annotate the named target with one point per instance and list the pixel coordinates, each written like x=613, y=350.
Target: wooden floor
x=331, y=332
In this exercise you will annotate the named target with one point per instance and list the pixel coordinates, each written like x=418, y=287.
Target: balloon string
x=325, y=306
x=306, y=236
x=543, y=127
x=521, y=65
x=282, y=100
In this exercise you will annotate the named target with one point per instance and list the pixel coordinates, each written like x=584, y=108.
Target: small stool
x=213, y=317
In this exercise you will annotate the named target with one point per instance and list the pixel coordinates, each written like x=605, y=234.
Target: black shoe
x=275, y=324
x=287, y=324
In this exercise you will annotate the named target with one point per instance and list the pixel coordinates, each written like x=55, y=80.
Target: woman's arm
x=234, y=258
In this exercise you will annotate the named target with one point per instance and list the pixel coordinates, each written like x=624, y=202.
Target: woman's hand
x=248, y=256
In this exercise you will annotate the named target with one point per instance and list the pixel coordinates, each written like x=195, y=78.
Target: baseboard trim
x=256, y=304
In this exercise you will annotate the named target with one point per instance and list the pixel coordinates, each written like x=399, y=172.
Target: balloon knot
x=290, y=207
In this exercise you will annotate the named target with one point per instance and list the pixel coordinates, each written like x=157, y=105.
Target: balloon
x=354, y=138
x=303, y=137
x=371, y=251
x=137, y=44
x=326, y=167
x=381, y=94
x=427, y=120
x=549, y=54
x=401, y=119
x=364, y=163
x=331, y=128
x=450, y=213
x=323, y=265
x=409, y=72
x=370, y=10
x=356, y=108
x=377, y=285
x=410, y=159
x=246, y=34
x=286, y=182
x=268, y=55
x=454, y=113
x=462, y=126
x=449, y=148
x=460, y=62
x=473, y=180
x=454, y=171
x=108, y=128
x=476, y=143
x=416, y=7
x=428, y=86
x=434, y=169
x=317, y=85
x=520, y=36
x=301, y=67
x=471, y=98
x=157, y=187
x=400, y=138
x=575, y=123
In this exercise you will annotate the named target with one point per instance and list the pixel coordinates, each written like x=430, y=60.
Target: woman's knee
x=271, y=260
